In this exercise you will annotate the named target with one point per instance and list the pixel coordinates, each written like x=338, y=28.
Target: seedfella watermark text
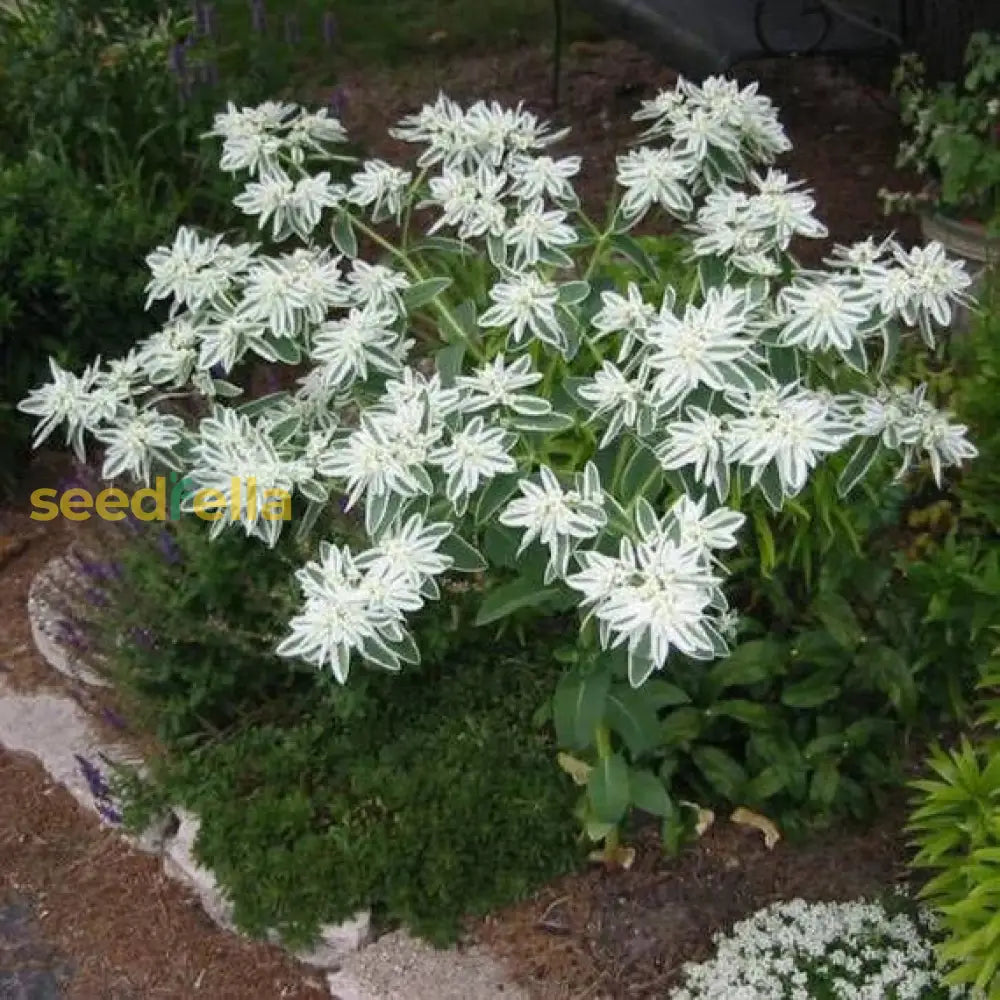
x=166, y=500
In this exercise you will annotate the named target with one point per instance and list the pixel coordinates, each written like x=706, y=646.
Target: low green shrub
x=429, y=796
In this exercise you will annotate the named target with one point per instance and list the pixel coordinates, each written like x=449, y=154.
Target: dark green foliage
x=430, y=795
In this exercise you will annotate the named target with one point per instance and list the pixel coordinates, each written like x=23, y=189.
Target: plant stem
x=602, y=737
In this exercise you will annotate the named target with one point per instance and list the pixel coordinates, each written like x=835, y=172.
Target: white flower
x=472, y=202
x=473, y=454
x=226, y=337
x=411, y=548
x=821, y=315
x=524, y=303
x=292, y=291
x=715, y=530
x=792, y=429
x=933, y=284
x=699, y=441
x=557, y=518
x=237, y=460
x=654, y=177
x=629, y=314
x=375, y=285
x=250, y=139
x=68, y=399
x=700, y=347
x=195, y=271
x=347, y=347
x=347, y=610
x=380, y=186
x=542, y=176
x=497, y=384
x=783, y=210
x=136, y=439
x=169, y=356
x=535, y=230
x=616, y=397
x=292, y=207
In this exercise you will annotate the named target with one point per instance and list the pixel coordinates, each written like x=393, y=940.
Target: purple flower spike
x=99, y=787
x=177, y=59
x=293, y=34
x=142, y=637
x=329, y=29
x=109, y=814
x=209, y=22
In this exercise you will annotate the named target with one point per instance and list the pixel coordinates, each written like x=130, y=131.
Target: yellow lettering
x=208, y=504
x=76, y=504
x=44, y=507
x=158, y=494
x=277, y=505
x=111, y=504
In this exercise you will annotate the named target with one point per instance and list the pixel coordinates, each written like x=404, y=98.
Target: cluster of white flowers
x=847, y=951
x=721, y=388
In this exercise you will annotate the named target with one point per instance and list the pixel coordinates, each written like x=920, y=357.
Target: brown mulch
x=625, y=935
x=117, y=927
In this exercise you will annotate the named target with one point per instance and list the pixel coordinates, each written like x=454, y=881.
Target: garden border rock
x=56, y=730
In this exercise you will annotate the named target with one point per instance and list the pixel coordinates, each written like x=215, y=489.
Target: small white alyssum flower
x=847, y=951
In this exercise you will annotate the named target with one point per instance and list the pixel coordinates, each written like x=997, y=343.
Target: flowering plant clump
x=954, y=139
x=822, y=951
x=478, y=386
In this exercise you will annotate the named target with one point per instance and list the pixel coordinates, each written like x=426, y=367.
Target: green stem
x=440, y=307
x=405, y=232
x=602, y=737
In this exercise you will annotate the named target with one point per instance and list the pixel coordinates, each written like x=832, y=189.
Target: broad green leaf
x=751, y=713
x=838, y=619
x=633, y=718
x=466, y=558
x=661, y=694
x=578, y=707
x=823, y=787
x=342, y=232
x=712, y=273
x=510, y=597
x=499, y=490
x=749, y=663
x=551, y=423
x=648, y=794
x=810, y=692
x=425, y=291
x=722, y=772
x=608, y=788
x=642, y=475
x=765, y=785
x=442, y=244
x=573, y=292
x=681, y=726
x=501, y=543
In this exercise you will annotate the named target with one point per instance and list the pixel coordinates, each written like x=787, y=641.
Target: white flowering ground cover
x=768, y=370
x=822, y=951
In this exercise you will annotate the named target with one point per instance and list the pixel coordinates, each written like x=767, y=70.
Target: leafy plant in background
x=955, y=135
x=105, y=103
x=956, y=829
x=587, y=440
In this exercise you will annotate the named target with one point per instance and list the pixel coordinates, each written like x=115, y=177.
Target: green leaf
x=442, y=244
x=711, y=273
x=749, y=663
x=496, y=495
x=449, y=362
x=342, y=232
x=661, y=694
x=838, y=619
x=630, y=714
x=510, y=597
x=721, y=771
x=811, y=692
x=858, y=466
x=501, y=544
x=550, y=423
x=425, y=291
x=632, y=251
x=578, y=707
x=681, y=726
x=648, y=794
x=608, y=788
x=765, y=785
x=642, y=476
x=467, y=559
x=823, y=787
x=573, y=292
x=749, y=712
